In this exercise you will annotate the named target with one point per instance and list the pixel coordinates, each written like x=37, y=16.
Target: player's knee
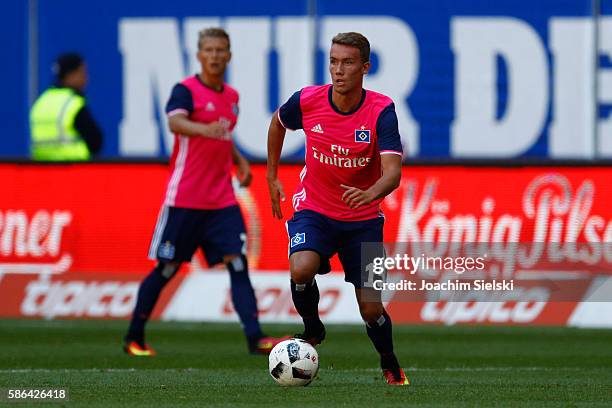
x=304, y=267
x=370, y=312
x=167, y=269
x=303, y=275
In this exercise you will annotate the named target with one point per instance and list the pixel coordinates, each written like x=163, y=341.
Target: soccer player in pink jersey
x=353, y=160
x=200, y=209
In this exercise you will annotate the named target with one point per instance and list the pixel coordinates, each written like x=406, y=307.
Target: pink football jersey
x=201, y=167
x=340, y=149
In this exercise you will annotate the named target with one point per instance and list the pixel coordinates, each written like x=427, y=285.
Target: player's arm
x=244, y=168
x=392, y=173
x=178, y=109
x=181, y=124
x=288, y=116
x=276, y=137
x=390, y=149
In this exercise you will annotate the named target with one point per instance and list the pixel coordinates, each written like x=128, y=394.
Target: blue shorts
x=180, y=231
x=311, y=231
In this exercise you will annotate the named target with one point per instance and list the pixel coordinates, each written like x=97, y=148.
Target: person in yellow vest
x=61, y=125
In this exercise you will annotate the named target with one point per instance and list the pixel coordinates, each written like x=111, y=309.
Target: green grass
x=207, y=364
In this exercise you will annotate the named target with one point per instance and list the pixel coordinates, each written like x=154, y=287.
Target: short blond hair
x=214, y=32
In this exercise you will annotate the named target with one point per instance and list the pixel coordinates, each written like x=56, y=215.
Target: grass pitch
x=207, y=364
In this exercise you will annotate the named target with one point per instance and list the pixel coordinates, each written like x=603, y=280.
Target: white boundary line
x=409, y=369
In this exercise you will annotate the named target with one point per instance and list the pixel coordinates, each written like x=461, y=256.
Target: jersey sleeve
x=389, y=140
x=181, y=101
x=89, y=130
x=290, y=113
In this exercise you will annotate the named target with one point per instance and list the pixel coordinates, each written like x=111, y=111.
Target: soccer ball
x=293, y=362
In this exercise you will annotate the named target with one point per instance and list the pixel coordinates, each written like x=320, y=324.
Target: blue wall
x=92, y=29
x=14, y=105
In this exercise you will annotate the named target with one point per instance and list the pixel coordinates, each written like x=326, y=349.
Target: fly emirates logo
x=340, y=157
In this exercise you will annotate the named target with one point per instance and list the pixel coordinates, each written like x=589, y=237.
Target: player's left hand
x=276, y=196
x=355, y=198
x=244, y=173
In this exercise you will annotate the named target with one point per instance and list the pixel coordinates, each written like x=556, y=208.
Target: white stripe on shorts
x=162, y=219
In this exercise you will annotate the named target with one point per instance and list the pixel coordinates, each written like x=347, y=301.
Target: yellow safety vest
x=54, y=137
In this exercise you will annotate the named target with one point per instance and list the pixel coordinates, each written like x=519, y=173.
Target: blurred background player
x=353, y=161
x=200, y=209
x=61, y=125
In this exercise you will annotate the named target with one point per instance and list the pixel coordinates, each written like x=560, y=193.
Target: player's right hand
x=215, y=130
x=276, y=196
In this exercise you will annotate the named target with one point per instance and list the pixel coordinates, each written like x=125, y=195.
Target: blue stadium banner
x=470, y=79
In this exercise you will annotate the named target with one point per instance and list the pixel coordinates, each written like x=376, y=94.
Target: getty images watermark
x=411, y=265
x=487, y=272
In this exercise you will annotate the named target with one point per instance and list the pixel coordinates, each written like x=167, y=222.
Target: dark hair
x=67, y=63
x=354, y=40
x=214, y=32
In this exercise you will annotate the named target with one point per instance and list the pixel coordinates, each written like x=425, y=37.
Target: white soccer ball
x=293, y=362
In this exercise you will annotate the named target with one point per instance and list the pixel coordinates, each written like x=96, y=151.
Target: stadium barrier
x=74, y=240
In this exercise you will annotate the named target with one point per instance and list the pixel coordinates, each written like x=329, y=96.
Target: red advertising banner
x=92, y=224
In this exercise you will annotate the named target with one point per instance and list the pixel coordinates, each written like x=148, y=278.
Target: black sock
x=243, y=298
x=381, y=334
x=148, y=293
x=389, y=362
x=306, y=300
